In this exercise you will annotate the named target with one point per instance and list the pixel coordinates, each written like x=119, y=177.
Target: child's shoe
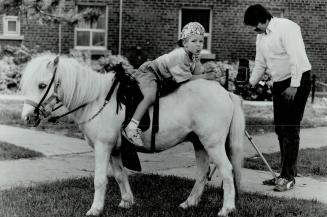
x=133, y=136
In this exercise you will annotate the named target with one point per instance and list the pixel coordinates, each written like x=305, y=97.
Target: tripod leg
x=260, y=154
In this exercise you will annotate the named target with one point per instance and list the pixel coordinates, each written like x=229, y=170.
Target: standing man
x=280, y=49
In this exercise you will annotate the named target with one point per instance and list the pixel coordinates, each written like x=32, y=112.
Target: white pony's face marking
x=36, y=79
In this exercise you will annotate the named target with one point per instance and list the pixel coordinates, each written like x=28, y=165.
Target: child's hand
x=211, y=75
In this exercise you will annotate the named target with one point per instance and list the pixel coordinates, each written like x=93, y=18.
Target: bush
x=262, y=91
x=12, y=61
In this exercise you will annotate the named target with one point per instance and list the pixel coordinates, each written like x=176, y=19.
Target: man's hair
x=256, y=14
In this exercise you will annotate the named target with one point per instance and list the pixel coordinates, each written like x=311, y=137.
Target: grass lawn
x=311, y=162
x=155, y=196
x=12, y=152
x=259, y=119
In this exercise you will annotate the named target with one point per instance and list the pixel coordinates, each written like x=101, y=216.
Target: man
x=280, y=49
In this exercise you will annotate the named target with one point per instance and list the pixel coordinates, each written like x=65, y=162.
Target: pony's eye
x=42, y=86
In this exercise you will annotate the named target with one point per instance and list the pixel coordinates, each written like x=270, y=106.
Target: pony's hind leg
x=127, y=199
x=202, y=161
x=218, y=155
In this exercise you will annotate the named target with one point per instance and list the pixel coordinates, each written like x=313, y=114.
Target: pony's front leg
x=102, y=152
x=127, y=199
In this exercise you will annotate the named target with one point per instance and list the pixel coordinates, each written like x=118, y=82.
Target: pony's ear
x=56, y=61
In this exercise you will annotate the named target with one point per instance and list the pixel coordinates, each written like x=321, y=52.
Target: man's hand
x=289, y=94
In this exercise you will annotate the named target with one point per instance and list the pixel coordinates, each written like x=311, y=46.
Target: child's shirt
x=178, y=64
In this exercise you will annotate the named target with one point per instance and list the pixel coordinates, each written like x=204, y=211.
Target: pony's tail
x=235, y=140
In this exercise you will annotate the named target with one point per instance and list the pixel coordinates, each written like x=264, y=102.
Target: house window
x=91, y=32
x=11, y=26
x=202, y=16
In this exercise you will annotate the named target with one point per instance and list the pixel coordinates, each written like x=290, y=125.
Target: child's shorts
x=146, y=77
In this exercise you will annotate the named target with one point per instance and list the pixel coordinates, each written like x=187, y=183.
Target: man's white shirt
x=281, y=51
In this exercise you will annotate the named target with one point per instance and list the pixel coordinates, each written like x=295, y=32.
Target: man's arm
x=259, y=66
x=292, y=41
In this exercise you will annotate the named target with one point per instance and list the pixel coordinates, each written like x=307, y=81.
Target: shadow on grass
x=155, y=196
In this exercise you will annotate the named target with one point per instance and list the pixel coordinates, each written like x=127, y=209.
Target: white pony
x=200, y=107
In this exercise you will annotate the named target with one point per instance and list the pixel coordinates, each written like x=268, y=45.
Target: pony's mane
x=80, y=83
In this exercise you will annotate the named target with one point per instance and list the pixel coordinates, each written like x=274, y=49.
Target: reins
x=55, y=118
x=106, y=101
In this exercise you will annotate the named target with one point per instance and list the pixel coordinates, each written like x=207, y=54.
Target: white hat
x=192, y=28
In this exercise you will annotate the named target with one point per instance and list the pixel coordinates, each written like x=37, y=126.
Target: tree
x=46, y=11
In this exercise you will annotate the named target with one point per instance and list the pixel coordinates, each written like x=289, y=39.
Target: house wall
x=156, y=22
x=153, y=25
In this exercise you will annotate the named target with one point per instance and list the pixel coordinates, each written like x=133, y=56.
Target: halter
x=38, y=107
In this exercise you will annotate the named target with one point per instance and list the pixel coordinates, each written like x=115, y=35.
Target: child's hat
x=192, y=28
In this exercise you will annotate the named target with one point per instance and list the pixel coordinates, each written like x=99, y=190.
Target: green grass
x=311, y=162
x=155, y=196
x=12, y=152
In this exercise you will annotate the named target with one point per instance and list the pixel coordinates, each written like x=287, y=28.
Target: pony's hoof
x=225, y=211
x=184, y=205
x=187, y=205
x=94, y=212
x=125, y=204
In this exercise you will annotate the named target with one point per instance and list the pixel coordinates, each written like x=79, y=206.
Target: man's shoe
x=284, y=185
x=133, y=136
x=271, y=182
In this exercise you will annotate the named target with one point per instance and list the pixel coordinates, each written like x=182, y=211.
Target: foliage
x=107, y=62
x=47, y=11
x=12, y=62
x=155, y=196
x=261, y=92
x=104, y=64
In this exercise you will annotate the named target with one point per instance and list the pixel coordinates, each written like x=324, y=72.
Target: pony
x=200, y=108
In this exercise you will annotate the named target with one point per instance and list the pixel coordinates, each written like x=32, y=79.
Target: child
x=181, y=64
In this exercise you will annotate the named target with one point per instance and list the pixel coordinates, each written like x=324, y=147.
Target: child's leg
x=149, y=95
x=132, y=132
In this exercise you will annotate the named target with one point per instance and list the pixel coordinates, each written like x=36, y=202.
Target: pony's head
x=38, y=86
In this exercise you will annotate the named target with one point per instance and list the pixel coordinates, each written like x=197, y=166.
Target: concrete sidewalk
x=71, y=157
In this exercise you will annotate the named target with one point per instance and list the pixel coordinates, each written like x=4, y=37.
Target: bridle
x=39, y=108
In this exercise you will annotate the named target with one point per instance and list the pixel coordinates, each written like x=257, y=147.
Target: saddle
x=129, y=94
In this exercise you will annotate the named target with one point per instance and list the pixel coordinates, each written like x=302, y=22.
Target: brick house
x=154, y=26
